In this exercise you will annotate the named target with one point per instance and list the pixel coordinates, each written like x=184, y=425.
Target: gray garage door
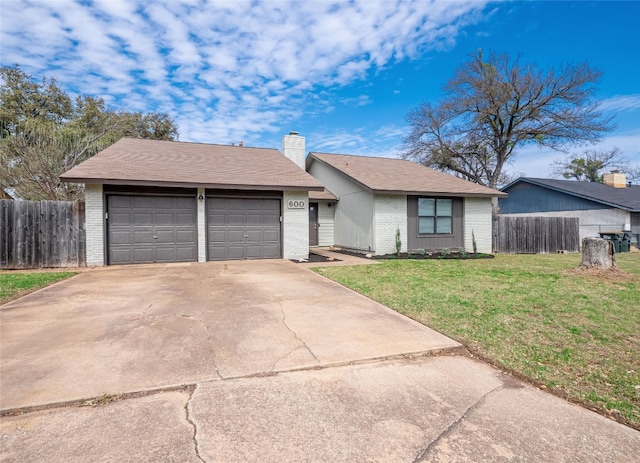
x=145, y=229
x=243, y=228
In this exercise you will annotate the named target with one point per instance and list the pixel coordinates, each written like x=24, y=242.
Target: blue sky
x=344, y=74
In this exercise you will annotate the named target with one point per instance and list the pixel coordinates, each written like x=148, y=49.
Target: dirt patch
x=610, y=275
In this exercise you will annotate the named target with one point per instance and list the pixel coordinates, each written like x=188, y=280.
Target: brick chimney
x=293, y=148
x=615, y=179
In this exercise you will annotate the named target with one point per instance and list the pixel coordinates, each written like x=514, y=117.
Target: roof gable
x=388, y=175
x=166, y=163
x=623, y=198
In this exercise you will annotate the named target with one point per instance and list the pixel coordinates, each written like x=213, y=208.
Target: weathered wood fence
x=535, y=235
x=41, y=234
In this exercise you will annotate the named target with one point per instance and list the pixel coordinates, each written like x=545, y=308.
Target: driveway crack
x=206, y=329
x=423, y=453
x=302, y=343
x=193, y=425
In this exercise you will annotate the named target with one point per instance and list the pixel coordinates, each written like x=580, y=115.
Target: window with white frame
x=435, y=216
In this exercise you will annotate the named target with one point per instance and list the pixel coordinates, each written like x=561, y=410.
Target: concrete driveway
x=246, y=361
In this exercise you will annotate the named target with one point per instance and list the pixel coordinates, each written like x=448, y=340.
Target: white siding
x=478, y=220
x=354, y=211
x=326, y=221
x=94, y=224
x=202, y=226
x=390, y=214
x=295, y=226
x=592, y=221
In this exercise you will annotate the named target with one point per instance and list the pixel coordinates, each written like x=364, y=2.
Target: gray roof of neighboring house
x=133, y=161
x=624, y=198
x=399, y=176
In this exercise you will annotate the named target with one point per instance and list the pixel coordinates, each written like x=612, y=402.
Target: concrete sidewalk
x=262, y=361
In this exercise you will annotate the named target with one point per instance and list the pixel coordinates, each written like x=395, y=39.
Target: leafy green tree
x=590, y=166
x=493, y=106
x=45, y=133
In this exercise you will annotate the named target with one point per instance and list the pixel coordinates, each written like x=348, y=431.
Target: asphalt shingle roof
x=625, y=198
x=387, y=175
x=134, y=161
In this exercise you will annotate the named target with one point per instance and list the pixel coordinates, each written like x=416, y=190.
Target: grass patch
x=14, y=285
x=576, y=334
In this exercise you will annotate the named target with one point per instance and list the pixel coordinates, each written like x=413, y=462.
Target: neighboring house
x=378, y=196
x=613, y=205
x=161, y=201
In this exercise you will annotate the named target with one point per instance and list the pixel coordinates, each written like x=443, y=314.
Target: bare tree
x=495, y=105
x=590, y=166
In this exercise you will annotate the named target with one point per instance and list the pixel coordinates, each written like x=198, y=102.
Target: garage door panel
x=271, y=251
x=235, y=252
x=141, y=202
x=271, y=220
x=121, y=254
x=145, y=229
x=142, y=237
x=142, y=219
x=217, y=236
x=254, y=236
x=163, y=237
x=164, y=218
x=185, y=218
x=251, y=228
x=272, y=205
x=186, y=236
x=121, y=237
x=143, y=255
x=272, y=236
x=235, y=220
x=235, y=236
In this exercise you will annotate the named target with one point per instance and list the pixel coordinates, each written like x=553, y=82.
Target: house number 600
x=293, y=204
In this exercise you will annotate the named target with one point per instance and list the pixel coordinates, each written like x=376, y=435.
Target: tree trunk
x=598, y=253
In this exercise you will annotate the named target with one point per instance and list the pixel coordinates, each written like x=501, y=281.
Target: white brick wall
x=94, y=224
x=293, y=147
x=295, y=226
x=478, y=219
x=202, y=227
x=390, y=214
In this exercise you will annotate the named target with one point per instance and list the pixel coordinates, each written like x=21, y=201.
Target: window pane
x=426, y=225
x=426, y=207
x=444, y=225
x=445, y=207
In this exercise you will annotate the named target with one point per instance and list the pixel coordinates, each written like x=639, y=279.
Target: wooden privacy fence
x=535, y=235
x=41, y=234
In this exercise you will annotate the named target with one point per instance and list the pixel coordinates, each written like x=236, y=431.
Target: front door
x=313, y=224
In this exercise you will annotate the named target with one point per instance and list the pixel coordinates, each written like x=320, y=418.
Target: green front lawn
x=574, y=333
x=14, y=285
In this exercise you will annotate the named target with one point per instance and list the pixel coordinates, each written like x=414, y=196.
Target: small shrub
x=422, y=252
x=398, y=242
x=473, y=242
x=444, y=253
x=463, y=252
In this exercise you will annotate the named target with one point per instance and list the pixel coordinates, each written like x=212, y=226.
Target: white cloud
x=223, y=69
x=619, y=103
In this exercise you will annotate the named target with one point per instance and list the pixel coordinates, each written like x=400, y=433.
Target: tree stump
x=598, y=253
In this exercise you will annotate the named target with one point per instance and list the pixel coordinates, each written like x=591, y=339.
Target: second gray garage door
x=241, y=228
x=146, y=229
